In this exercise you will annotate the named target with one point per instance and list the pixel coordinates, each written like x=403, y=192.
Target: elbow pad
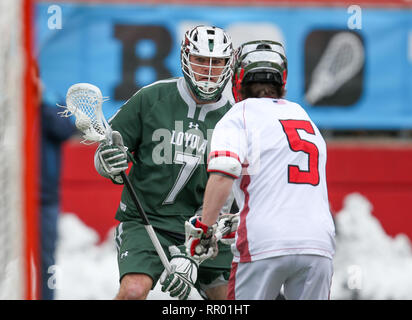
x=225, y=162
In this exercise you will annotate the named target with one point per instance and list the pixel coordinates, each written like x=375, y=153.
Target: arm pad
x=228, y=165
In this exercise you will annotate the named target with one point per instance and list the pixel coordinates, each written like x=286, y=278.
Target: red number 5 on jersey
x=296, y=144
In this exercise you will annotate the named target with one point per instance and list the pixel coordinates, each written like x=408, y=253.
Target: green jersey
x=169, y=136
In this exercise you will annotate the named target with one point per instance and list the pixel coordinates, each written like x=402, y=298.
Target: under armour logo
x=194, y=125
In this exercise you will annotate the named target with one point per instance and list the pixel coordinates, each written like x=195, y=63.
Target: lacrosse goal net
x=18, y=154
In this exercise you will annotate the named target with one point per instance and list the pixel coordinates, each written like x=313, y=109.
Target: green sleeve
x=128, y=121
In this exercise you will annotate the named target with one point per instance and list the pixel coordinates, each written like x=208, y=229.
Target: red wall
x=380, y=172
x=84, y=192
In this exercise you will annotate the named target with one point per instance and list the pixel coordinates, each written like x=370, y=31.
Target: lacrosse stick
x=85, y=101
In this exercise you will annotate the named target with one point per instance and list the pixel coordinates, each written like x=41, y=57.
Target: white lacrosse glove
x=228, y=220
x=113, y=158
x=201, y=243
x=181, y=279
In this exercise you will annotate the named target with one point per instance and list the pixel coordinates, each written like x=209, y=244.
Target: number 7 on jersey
x=189, y=164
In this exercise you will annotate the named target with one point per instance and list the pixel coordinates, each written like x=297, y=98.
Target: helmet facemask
x=202, y=48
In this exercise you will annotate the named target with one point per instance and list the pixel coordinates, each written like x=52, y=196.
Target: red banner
x=379, y=172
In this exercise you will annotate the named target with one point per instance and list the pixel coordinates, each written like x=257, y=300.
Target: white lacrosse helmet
x=210, y=42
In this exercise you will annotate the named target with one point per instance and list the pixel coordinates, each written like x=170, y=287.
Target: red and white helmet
x=210, y=42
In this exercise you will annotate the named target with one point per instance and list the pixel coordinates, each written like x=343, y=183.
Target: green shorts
x=136, y=254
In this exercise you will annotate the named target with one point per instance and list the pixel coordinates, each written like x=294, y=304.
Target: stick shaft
x=158, y=248
x=152, y=234
x=150, y=231
x=148, y=226
x=134, y=198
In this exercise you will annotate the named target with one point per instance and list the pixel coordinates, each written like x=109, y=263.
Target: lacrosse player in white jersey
x=273, y=155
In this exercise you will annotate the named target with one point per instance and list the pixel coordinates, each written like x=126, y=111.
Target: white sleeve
x=229, y=144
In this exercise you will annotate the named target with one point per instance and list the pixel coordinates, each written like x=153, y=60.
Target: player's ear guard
x=224, y=162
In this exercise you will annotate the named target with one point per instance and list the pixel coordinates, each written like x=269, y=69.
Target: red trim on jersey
x=232, y=282
x=242, y=243
x=215, y=154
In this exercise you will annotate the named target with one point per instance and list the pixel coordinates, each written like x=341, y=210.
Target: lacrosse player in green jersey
x=167, y=127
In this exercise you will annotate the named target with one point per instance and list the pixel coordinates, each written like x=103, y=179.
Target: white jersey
x=282, y=192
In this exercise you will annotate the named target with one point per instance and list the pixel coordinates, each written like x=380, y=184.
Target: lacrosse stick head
x=85, y=101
